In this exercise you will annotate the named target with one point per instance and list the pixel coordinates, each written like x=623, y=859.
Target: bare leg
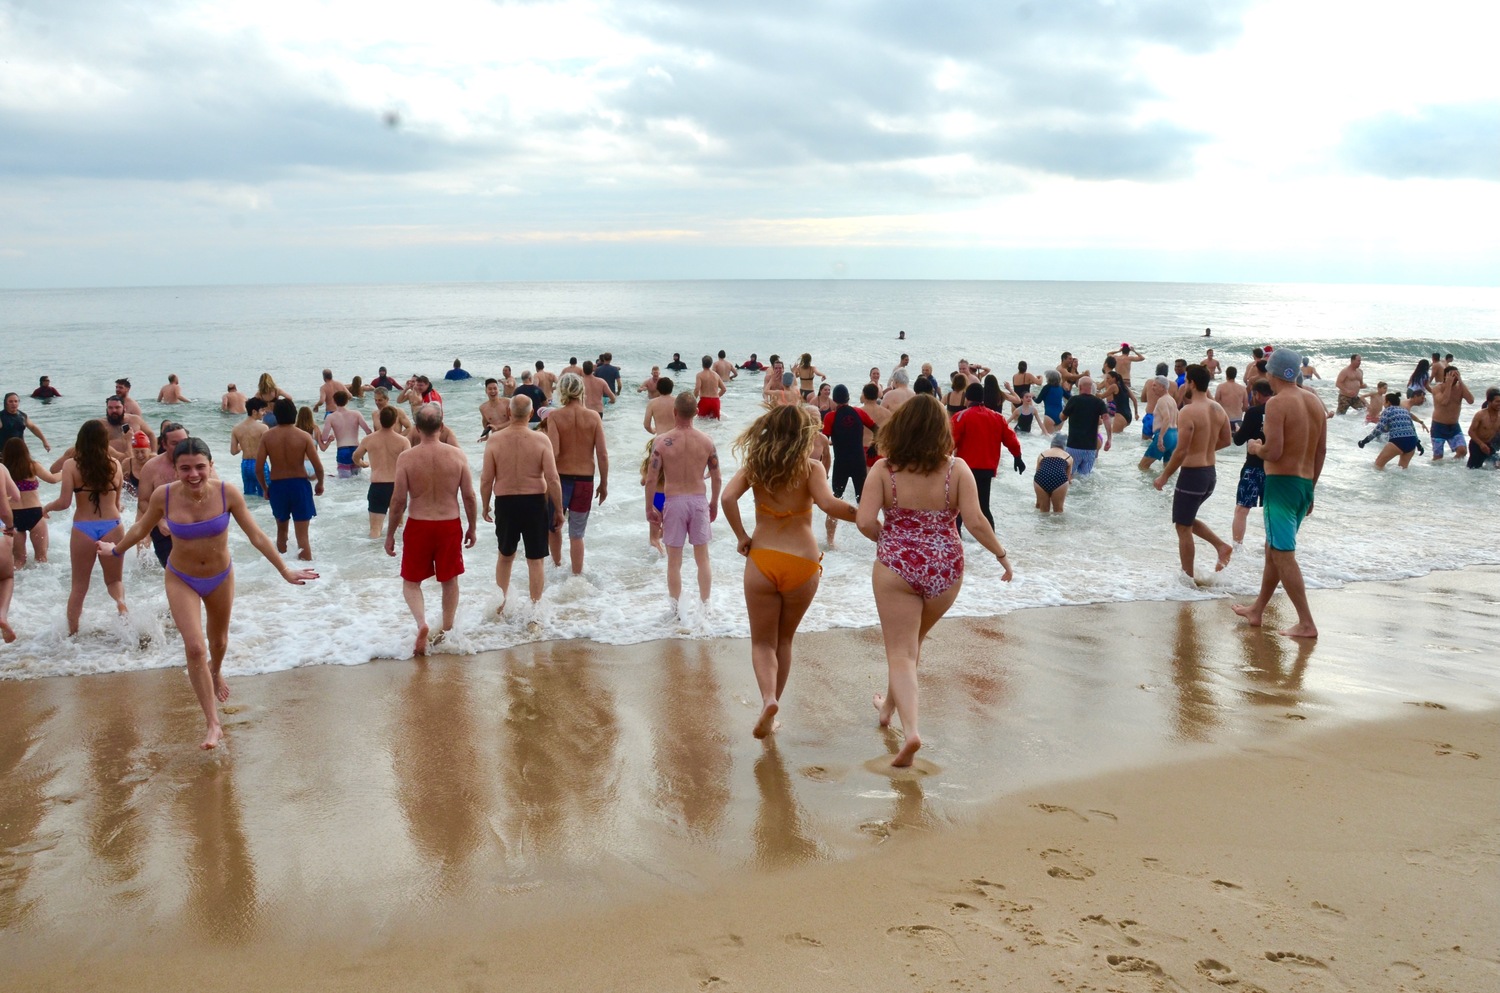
x=7, y=588
x=218, y=606
x=833, y=525
x=113, y=568
x=575, y=555
x=1185, y=550
x=1043, y=498
x=1224, y=549
x=304, y=546
x=412, y=593
x=281, y=528
x=1270, y=578
x=40, y=540
x=774, y=617
x=1241, y=518
x=656, y=538
x=187, y=615
x=82, y=554
x=1058, y=496
x=18, y=549
x=377, y=525
x=705, y=572
x=536, y=579
x=905, y=619
x=674, y=572
x=1296, y=591
x=450, y=603
x=502, y=577
x=554, y=543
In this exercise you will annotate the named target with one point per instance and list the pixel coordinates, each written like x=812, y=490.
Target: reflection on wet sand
x=781, y=836
x=559, y=767
x=1272, y=682
x=111, y=709
x=221, y=902
x=1196, y=714
x=691, y=751
x=439, y=786
x=24, y=796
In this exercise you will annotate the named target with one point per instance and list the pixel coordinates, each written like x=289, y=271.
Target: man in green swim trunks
x=1296, y=443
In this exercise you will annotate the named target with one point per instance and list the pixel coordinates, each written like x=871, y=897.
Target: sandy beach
x=1142, y=796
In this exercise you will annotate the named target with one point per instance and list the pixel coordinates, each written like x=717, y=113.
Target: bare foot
x=215, y=734
x=908, y=751
x=880, y=709
x=1225, y=551
x=437, y=639
x=660, y=548
x=1248, y=612
x=767, y=722
x=1300, y=631
x=421, y=646
x=7, y=632
x=305, y=554
x=281, y=545
x=221, y=688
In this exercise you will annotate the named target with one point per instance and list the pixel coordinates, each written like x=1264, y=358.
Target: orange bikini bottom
x=785, y=570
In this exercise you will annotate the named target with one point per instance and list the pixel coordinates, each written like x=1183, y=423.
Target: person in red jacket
x=978, y=434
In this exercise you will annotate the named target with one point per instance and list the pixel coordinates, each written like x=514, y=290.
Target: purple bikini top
x=191, y=530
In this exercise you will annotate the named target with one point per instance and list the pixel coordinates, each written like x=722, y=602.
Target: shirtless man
x=521, y=472
x=233, y=401
x=430, y=480
x=121, y=426
x=708, y=388
x=244, y=441
x=724, y=368
x=507, y=385
x=378, y=452
x=343, y=427
x=648, y=385
x=122, y=390
x=577, y=436
x=594, y=389
x=1448, y=398
x=403, y=422
x=771, y=382
x=327, y=390
x=659, y=417
x=494, y=413
x=1210, y=363
x=1296, y=444
x=901, y=364
x=286, y=447
x=683, y=456
x=1233, y=397
x=544, y=380
x=870, y=403
x=172, y=392
x=1349, y=382
x=1163, y=417
x=1203, y=429
x=572, y=367
x=159, y=471
x=1068, y=370
x=1125, y=357
x=900, y=390
x=1484, y=430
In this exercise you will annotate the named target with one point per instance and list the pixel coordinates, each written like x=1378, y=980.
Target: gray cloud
x=1453, y=141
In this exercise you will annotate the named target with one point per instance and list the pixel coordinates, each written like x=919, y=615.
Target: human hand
x=1160, y=482
x=298, y=576
x=603, y=491
x=390, y=541
x=744, y=545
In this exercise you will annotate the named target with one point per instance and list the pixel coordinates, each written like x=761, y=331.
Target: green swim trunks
x=1287, y=500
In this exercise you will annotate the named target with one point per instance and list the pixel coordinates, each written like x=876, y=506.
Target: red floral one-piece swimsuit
x=922, y=546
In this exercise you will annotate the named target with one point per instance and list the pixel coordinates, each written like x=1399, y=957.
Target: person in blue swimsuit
x=1051, y=397
x=91, y=483
x=199, y=571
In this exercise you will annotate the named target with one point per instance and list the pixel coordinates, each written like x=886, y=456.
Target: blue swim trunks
x=1252, y=484
x=345, y=461
x=1451, y=434
x=1146, y=423
x=292, y=499
x=1169, y=439
x=251, y=485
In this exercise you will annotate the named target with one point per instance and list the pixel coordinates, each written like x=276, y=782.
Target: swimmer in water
x=196, y=509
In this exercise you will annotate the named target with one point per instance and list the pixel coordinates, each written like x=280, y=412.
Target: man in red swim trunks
x=708, y=387
x=429, y=480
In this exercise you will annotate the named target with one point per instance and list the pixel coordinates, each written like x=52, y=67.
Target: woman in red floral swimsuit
x=919, y=488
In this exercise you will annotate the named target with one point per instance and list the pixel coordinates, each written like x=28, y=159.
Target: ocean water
x=1114, y=543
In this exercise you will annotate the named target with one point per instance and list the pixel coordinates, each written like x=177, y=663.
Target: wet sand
x=1127, y=796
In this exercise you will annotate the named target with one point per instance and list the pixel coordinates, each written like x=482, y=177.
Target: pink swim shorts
x=685, y=518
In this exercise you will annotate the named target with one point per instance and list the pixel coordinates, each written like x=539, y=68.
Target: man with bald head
x=520, y=472
x=1083, y=414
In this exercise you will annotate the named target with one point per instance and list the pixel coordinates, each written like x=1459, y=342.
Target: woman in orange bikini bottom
x=781, y=576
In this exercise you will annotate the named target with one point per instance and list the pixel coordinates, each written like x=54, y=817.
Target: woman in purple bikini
x=91, y=482
x=196, y=509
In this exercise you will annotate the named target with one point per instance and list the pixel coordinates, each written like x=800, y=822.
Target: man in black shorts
x=1202, y=429
x=521, y=472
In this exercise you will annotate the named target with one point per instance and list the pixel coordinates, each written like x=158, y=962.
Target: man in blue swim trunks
x=1295, y=445
x=287, y=448
x=1163, y=419
x=344, y=426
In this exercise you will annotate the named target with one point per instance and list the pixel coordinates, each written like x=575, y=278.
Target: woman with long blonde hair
x=919, y=559
x=782, y=567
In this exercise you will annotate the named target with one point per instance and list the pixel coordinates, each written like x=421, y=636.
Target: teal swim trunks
x=1287, y=500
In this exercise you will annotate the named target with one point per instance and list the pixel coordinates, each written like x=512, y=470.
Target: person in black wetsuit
x=845, y=427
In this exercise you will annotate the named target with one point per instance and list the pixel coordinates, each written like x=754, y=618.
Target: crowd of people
x=918, y=453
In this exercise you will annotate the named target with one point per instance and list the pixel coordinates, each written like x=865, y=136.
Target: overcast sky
x=220, y=141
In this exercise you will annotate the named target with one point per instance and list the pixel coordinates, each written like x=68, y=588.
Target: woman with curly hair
x=782, y=567
x=919, y=560
x=91, y=482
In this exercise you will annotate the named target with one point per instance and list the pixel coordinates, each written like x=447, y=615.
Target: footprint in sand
x=1324, y=908
x=1425, y=703
x=1052, y=808
x=1063, y=865
x=822, y=774
x=810, y=946
x=1134, y=963
x=1215, y=972
x=1296, y=960
x=1443, y=748
x=925, y=940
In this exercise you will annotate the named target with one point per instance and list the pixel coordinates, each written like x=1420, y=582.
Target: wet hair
x=917, y=438
x=870, y=392
x=1199, y=377
x=539, y=365
x=17, y=458
x=1110, y=362
x=191, y=446
x=284, y=411
x=1258, y=353
x=96, y=469
x=9, y=395
x=664, y=386
x=340, y=398
x=1491, y=393
x=387, y=417
x=455, y=364
x=171, y=377
x=775, y=448
x=357, y=387
x=569, y=388
x=721, y=353
x=1421, y=371
x=1260, y=366
x=429, y=418
x=167, y=427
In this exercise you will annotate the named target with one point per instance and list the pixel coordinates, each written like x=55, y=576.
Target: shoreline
x=535, y=788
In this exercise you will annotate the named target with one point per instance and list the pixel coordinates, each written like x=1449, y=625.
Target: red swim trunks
x=708, y=407
x=432, y=548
